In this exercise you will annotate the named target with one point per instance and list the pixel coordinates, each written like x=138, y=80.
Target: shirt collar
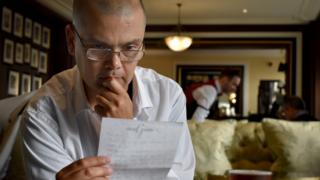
x=141, y=97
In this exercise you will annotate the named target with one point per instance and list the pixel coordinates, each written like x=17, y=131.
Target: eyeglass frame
x=110, y=51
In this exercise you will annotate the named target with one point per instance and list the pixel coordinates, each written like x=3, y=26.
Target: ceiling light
x=178, y=42
x=245, y=11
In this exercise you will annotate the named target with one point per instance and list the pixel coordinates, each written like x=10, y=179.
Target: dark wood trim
x=288, y=44
x=226, y=28
x=311, y=67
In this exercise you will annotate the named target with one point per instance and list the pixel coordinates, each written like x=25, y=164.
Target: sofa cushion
x=210, y=139
x=248, y=150
x=296, y=147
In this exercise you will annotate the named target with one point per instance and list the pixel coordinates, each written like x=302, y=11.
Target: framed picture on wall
x=18, y=25
x=36, y=37
x=28, y=28
x=6, y=19
x=8, y=50
x=34, y=58
x=13, y=83
x=27, y=53
x=43, y=62
x=36, y=82
x=46, y=33
x=19, y=53
x=25, y=84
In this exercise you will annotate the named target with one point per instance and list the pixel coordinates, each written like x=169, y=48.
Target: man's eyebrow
x=93, y=41
x=135, y=41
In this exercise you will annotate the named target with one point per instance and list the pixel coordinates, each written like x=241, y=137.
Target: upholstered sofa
x=291, y=150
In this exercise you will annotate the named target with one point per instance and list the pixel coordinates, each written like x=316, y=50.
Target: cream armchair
x=10, y=109
x=289, y=149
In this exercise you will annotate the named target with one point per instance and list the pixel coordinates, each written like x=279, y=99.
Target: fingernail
x=109, y=170
x=108, y=160
x=104, y=159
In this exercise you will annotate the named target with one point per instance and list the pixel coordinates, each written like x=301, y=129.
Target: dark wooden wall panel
x=311, y=67
x=58, y=58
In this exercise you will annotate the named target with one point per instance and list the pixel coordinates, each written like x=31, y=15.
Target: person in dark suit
x=294, y=109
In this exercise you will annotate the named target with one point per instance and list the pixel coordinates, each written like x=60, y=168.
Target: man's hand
x=86, y=168
x=114, y=101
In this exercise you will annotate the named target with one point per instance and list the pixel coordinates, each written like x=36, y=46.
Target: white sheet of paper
x=138, y=149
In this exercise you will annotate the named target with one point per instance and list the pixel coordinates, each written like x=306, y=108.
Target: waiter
x=203, y=96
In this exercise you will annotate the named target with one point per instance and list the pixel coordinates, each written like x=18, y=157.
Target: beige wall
x=257, y=67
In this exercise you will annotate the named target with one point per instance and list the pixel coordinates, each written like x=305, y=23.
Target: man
x=293, y=108
x=62, y=122
x=204, y=96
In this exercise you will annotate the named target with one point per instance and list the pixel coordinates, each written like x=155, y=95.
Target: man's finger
x=114, y=86
x=99, y=172
x=107, y=101
x=101, y=178
x=100, y=110
x=95, y=172
x=84, y=163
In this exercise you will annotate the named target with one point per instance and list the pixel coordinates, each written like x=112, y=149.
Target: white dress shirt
x=205, y=96
x=59, y=127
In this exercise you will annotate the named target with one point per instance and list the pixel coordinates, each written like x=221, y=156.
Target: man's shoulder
x=151, y=76
x=306, y=117
x=206, y=88
x=54, y=88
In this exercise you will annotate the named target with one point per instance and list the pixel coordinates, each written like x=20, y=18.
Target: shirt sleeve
x=204, y=96
x=200, y=114
x=184, y=162
x=43, y=149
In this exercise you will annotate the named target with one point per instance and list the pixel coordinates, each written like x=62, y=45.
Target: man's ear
x=70, y=39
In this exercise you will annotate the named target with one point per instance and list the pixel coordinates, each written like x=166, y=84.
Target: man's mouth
x=113, y=74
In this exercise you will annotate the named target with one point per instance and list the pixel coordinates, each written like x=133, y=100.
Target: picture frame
x=34, y=58
x=25, y=83
x=46, y=37
x=43, y=62
x=28, y=28
x=36, y=33
x=18, y=25
x=6, y=19
x=8, y=51
x=36, y=82
x=19, y=53
x=27, y=53
x=13, y=83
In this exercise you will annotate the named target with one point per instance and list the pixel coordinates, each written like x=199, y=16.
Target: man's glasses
x=103, y=54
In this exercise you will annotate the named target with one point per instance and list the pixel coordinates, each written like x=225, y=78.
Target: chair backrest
x=10, y=109
x=6, y=147
x=9, y=105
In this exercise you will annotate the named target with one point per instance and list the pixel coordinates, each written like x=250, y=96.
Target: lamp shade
x=178, y=42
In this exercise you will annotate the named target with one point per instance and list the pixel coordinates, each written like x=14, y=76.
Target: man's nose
x=114, y=61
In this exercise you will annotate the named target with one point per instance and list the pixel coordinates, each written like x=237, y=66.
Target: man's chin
x=120, y=80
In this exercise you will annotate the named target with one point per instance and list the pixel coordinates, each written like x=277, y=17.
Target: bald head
x=83, y=9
